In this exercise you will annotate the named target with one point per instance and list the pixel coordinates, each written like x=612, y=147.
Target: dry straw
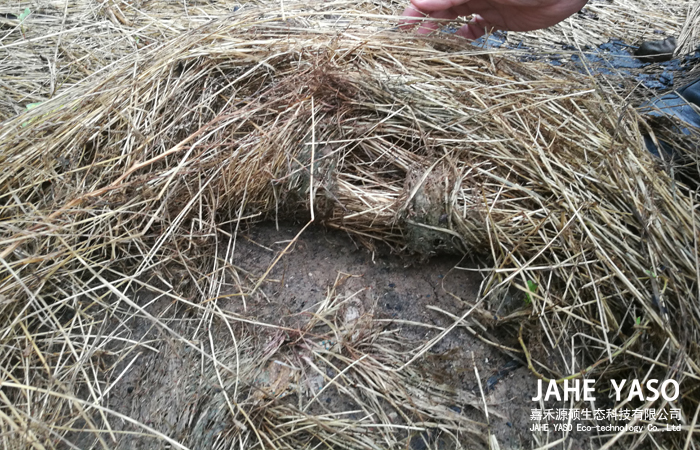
x=631, y=21
x=689, y=40
x=133, y=179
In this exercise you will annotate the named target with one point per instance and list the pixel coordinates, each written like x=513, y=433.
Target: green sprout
x=532, y=287
x=28, y=107
x=22, y=17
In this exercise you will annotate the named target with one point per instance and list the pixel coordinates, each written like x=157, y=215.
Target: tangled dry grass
x=690, y=33
x=133, y=177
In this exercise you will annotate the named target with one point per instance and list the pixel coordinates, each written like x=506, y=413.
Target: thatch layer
x=689, y=40
x=429, y=144
x=599, y=21
x=62, y=42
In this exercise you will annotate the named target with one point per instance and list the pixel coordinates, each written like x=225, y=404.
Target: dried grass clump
x=689, y=40
x=62, y=42
x=428, y=144
x=342, y=349
x=337, y=378
x=632, y=21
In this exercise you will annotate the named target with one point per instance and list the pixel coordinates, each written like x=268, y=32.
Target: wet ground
x=165, y=390
x=397, y=287
x=614, y=61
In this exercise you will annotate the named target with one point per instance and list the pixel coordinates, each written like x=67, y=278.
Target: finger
x=470, y=32
x=476, y=28
x=423, y=27
x=410, y=11
x=429, y=26
x=439, y=5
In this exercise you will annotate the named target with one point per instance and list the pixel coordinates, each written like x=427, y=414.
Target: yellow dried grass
x=425, y=143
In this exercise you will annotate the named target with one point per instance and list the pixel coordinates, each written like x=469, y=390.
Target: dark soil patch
x=164, y=390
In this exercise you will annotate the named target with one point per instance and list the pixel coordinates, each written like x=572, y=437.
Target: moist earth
x=159, y=385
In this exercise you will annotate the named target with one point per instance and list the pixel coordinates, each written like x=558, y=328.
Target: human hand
x=513, y=15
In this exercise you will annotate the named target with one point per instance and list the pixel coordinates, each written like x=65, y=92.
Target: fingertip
x=474, y=29
x=480, y=22
x=436, y=5
x=427, y=27
x=469, y=32
x=411, y=11
x=414, y=15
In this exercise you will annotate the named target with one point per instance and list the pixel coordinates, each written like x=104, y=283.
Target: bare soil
x=173, y=391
